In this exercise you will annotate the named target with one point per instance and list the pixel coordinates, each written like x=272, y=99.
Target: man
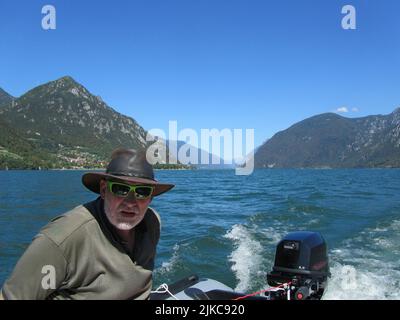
x=104, y=249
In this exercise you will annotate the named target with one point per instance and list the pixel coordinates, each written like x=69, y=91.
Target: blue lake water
x=226, y=227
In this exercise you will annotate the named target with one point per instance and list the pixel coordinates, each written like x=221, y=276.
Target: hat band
x=128, y=174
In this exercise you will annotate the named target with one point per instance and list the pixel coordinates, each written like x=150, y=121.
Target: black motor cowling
x=301, y=259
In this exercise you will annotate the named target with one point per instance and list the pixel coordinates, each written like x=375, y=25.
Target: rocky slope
x=332, y=141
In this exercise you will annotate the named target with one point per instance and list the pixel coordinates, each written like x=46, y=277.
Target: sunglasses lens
x=120, y=190
x=143, y=192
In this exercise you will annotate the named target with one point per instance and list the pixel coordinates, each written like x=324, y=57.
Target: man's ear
x=103, y=186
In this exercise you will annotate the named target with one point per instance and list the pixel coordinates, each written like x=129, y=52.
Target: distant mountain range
x=331, y=141
x=202, y=154
x=60, y=124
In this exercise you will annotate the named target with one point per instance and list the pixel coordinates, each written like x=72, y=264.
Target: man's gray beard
x=123, y=225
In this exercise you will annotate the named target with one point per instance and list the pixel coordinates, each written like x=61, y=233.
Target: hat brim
x=92, y=180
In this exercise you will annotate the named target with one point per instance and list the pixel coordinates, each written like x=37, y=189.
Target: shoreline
x=196, y=169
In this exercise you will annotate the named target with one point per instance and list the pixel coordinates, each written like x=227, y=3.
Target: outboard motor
x=301, y=259
x=300, y=272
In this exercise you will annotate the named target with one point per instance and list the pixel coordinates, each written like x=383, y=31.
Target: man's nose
x=131, y=198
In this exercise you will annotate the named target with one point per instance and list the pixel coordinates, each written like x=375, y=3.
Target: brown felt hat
x=127, y=165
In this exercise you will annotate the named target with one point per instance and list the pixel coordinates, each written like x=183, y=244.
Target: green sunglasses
x=122, y=190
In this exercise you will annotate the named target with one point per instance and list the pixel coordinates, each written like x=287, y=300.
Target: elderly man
x=104, y=249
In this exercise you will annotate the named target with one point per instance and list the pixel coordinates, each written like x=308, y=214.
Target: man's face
x=123, y=213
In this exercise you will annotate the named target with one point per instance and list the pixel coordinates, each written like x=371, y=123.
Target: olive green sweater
x=79, y=256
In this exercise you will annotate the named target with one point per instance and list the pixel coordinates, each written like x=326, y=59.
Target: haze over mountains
x=60, y=124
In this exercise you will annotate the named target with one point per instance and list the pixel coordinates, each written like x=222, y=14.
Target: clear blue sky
x=210, y=63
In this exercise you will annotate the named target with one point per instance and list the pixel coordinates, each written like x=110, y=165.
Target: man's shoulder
x=67, y=224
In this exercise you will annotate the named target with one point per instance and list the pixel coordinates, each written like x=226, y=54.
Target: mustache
x=130, y=210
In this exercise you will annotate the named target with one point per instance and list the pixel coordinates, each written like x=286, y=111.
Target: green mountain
x=61, y=124
x=332, y=141
x=5, y=98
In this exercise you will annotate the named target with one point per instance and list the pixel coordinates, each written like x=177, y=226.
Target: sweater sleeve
x=39, y=272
